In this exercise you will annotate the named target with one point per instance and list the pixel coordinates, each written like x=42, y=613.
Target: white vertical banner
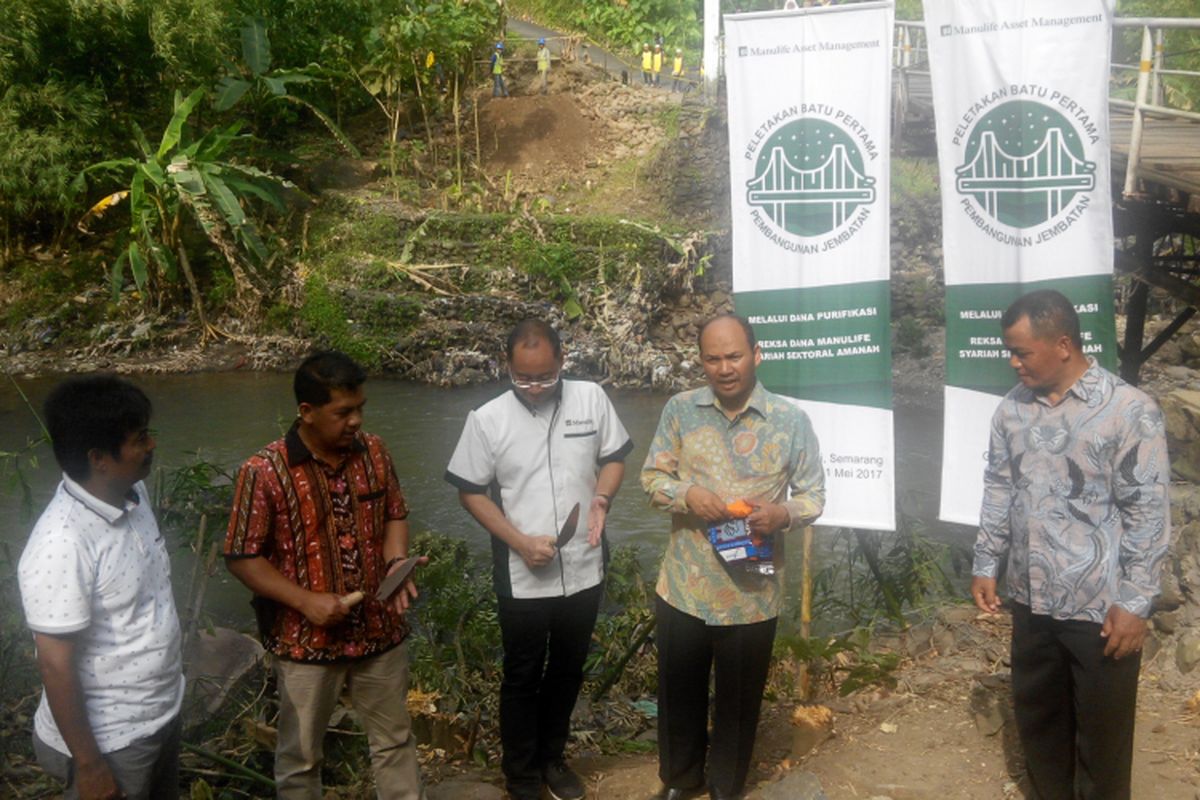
x=809, y=95
x=712, y=46
x=1020, y=97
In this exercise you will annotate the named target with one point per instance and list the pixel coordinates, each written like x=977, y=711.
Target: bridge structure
x=835, y=181
x=1155, y=158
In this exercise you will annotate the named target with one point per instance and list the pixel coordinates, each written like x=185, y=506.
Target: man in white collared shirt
x=543, y=448
x=96, y=588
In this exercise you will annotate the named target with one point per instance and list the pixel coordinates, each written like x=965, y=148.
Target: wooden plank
x=1170, y=150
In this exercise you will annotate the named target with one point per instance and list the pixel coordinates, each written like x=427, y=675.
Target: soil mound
x=534, y=135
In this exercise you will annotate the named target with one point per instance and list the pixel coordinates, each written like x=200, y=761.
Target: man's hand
x=403, y=598
x=597, y=512
x=537, y=551
x=1125, y=632
x=706, y=505
x=767, y=518
x=94, y=781
x=324, y=608
x=983, y=591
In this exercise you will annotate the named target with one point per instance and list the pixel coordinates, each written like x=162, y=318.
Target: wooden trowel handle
x=352, y=599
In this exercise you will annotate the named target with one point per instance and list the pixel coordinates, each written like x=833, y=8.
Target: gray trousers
x=148, y=769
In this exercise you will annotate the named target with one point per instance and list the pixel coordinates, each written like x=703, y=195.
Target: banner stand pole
x=806, y=587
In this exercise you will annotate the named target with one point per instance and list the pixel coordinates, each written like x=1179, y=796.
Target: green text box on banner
x=975, y=354
x=830, y=343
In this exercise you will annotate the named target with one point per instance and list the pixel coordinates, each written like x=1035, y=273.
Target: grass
x=914, y=179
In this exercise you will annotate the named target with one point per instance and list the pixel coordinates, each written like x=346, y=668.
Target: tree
x=256, y=80
x=188, y=182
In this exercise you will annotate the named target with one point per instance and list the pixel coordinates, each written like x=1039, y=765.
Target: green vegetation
x=623, y=25
x=80, y=80
x=190, y=180
x=884, y=576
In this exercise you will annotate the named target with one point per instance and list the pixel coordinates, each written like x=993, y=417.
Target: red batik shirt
x=323, y=529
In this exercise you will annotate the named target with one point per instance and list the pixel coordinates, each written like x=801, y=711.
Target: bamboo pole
x=806, y=589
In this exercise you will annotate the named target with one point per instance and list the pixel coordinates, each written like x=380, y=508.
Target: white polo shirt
x=103, y=573
x=543, y=461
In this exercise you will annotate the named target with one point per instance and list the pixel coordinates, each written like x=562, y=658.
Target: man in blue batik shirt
x=1075, y=498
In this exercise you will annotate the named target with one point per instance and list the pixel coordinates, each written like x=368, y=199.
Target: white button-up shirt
x=103, y=574
x=543, y=461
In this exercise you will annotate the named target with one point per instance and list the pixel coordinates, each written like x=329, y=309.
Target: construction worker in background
x=498, y=87
x=677, y=71
x=657, y=64
x=647, y=64
x=543, y=63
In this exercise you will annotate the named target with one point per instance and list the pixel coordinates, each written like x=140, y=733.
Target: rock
x=793, y=786
x=1166, y=621
x=813, y=724
x=918, y=639
x=1185, y=503
x=216, y=662
x=1170, y=596
x=457, y=789
x=1187, y=653
x=958, y=614
x=1151, y=645
x=1179, y=373
x=1181, y=412
x=987, y=707
x=1188, y=538
x=944, y=641
x=1189, y=346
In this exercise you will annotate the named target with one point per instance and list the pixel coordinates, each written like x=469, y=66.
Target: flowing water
x=224, y=417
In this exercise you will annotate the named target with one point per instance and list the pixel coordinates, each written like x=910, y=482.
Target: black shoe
x=562, y=781
x=716, y=794
x=676, y=794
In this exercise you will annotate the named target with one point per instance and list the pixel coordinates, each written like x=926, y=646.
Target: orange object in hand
x=739, y=509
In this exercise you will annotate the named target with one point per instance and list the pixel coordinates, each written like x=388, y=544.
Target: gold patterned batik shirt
x=767, y=453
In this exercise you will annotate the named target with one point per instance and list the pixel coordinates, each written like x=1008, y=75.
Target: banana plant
x=254, y=79
x=184, y=182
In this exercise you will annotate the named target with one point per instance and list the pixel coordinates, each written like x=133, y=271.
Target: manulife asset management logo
x=1024, y=164
x=809, y=179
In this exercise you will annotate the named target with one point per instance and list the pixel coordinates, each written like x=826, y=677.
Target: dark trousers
x=1074, y=708
x=545, y=644
x=688, y=650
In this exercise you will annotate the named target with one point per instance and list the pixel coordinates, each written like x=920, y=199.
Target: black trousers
x=688, y=651
x=545, y=645
x=1074, y=708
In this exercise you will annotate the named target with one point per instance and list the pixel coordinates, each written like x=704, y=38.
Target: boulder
x=1185, y=503
x=1181, y=410
x=1187, y=653
x=216, y=661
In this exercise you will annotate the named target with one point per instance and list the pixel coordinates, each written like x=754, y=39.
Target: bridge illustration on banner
x=835, y=183
x=1052, y=169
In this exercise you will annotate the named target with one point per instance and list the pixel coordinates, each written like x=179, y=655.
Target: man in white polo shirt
x=541, y=449
x=96, y=588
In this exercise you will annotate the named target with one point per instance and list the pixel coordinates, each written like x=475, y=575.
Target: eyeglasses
x=523, y=384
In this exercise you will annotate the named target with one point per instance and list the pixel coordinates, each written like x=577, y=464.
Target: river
x=224, y=417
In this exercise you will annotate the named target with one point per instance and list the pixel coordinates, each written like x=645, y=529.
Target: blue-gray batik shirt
x=1076, y=496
